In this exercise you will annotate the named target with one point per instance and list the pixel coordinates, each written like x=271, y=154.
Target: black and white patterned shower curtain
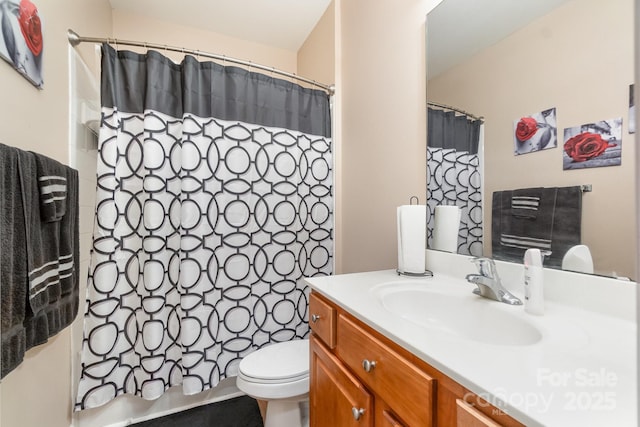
x=453, y=175
x=214, y=200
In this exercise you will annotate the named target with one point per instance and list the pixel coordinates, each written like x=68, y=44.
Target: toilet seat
x=278, y=371
x=279, y=363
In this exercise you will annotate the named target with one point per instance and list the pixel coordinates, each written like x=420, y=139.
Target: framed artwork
x=632, y=110
x=536, y=132
x=21, y=44
x=593, y=145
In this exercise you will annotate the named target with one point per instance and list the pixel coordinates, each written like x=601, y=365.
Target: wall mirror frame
x=574, y=56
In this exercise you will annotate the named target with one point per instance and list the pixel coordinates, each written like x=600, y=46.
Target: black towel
x=39, y=259
x=14, y=281
x=52, y=188
x=567, y=223
x=50, y=256
x=555, y=228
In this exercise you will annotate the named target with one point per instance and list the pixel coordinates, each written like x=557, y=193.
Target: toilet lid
x=282, y=361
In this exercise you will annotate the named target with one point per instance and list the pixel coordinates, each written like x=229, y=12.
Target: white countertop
x=581, y=373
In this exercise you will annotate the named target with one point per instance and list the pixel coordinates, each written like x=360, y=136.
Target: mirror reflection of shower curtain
x=454, y=175
x=214, y=200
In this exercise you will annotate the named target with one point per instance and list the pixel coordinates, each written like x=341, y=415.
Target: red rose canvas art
x=22, y=42
x=593, y=145
x=536, y=132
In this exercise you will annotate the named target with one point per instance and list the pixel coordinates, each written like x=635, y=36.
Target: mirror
x=505, y=60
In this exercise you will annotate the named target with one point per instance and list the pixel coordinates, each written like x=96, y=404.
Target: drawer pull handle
x=368, y=365
x=357, y=413
x=315, y=318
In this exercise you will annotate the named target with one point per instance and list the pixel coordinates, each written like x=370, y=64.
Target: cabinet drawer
x=322, y=320
x=468, y=416
x=404, y=387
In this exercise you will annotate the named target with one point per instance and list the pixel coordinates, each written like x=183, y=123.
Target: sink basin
x=460, y=314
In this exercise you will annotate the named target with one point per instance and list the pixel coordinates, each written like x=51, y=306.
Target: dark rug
x=238, y=412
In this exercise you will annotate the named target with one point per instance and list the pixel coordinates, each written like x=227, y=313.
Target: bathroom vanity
x=369, y=380
x=396, y=351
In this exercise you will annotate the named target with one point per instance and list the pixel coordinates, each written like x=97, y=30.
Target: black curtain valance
x=209, y=89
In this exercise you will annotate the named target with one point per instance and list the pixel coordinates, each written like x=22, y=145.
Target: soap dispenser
x=533, y=282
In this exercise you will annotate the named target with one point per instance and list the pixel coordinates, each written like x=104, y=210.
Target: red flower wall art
x=21, y=44
x=536, y=132
x=593, y=145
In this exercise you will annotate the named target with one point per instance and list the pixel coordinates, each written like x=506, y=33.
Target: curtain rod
x=447, y=107
x=75, y=39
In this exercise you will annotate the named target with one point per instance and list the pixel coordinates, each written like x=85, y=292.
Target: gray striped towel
x=52, y=187
x=524, y=242
x=52, y=264
x=526, y=202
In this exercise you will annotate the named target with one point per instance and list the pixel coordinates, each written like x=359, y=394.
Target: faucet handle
x=486, y=266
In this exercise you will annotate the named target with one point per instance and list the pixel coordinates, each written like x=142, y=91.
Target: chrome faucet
x=488, y=282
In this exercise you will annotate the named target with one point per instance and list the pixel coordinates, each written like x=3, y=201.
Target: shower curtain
x=454, y=176
x=214, y=200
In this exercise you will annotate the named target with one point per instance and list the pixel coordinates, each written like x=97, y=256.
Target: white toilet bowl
x=279, y=374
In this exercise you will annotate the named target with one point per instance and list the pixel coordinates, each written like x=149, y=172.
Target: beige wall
x=317, y=60
x=579, y=59
x=316, y=56
x=383, y=114
x=131, y=26
x=38, y=392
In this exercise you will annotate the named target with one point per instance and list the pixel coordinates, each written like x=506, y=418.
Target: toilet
x=279, y=374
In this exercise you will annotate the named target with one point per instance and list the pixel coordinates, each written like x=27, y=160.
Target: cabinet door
x=337, y=398
x=468, y=416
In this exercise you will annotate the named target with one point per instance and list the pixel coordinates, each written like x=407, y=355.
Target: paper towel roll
x=445, y=228
x=412, y=221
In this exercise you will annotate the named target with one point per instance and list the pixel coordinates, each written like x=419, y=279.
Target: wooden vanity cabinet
x=358, y=377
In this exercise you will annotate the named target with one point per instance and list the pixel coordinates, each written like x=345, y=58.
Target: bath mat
x=238, y=412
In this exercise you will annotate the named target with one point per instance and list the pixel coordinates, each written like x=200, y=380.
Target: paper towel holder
x=426, y=273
